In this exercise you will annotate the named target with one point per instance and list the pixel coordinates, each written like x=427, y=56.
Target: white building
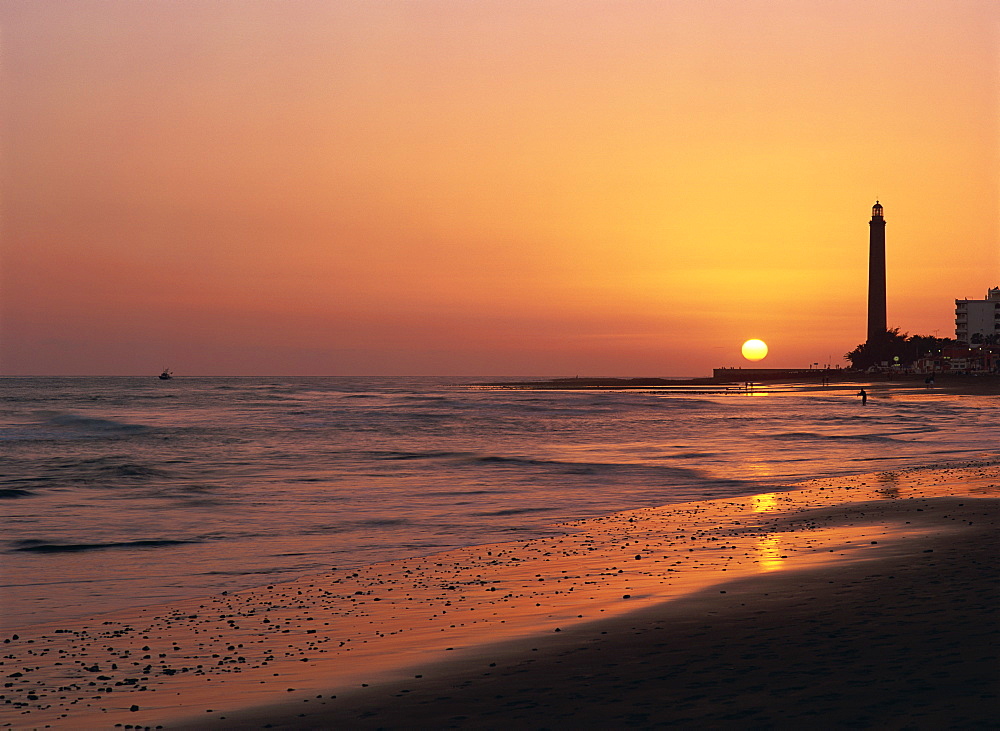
x=977, y=318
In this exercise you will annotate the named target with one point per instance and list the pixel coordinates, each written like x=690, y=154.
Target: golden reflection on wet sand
x=769, y=552
x=764, y=502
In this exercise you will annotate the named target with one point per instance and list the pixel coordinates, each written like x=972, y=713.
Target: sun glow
x=754, y=350
x=486, y=188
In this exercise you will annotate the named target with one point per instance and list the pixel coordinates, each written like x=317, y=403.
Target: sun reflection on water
x=769, y=551
x=759, y=469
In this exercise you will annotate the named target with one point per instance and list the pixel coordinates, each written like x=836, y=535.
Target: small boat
x=166, y=375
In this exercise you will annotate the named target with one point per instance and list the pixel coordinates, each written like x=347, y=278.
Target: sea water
x=120, y=492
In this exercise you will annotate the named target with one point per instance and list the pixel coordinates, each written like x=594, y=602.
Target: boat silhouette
x=166, y=375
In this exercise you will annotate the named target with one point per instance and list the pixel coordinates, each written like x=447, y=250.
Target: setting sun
x=754, y=349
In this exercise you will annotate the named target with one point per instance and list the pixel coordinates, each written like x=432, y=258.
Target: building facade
x=960, y=360
x=977, y=322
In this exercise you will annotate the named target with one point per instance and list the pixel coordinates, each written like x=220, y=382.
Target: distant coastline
x=729, y=378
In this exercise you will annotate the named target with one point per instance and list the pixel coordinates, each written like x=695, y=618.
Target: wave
x=8, y=493
x=453, y=493
x=107, y=469
x=252, y=572
x=41, y=426
x=678, y=401
x=78, y=422
x=354, y=525
x=376, y=522
x=128, y=469
x=509, y=461
x=515, y=511
x=26, y=434
x=686, y=455
x=500, y=459
x=400, y=456
x=799, y=436
x=35, y=546
x=575, y=467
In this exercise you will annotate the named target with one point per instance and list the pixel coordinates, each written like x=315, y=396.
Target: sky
x=498, y=187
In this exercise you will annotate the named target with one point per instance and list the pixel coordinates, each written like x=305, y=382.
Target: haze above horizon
x=491, y=188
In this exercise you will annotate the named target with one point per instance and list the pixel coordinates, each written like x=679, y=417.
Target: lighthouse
x=876, y=279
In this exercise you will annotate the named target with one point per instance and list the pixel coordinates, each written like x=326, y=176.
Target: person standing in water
x=864, y=397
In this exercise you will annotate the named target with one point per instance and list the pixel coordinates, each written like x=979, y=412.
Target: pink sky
x=488, y=188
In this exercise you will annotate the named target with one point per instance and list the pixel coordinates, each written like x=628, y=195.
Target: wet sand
x=866, y=601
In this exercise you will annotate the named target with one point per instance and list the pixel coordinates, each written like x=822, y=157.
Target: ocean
x=122, y=492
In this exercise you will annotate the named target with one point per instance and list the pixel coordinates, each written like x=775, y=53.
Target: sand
x=863, y=602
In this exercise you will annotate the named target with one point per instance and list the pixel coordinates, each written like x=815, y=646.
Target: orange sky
x=489, y=188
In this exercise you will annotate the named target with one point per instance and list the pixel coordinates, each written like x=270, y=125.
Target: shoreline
x=243, y=657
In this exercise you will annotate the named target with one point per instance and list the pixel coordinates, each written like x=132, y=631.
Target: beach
x=499, y=365
x=860, y=601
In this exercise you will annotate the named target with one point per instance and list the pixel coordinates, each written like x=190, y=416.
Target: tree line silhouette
x=908, y=348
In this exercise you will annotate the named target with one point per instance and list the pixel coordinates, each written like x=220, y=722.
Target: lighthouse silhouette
x=876, y=282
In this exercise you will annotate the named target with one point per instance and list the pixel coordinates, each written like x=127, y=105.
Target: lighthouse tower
x=876, y=279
